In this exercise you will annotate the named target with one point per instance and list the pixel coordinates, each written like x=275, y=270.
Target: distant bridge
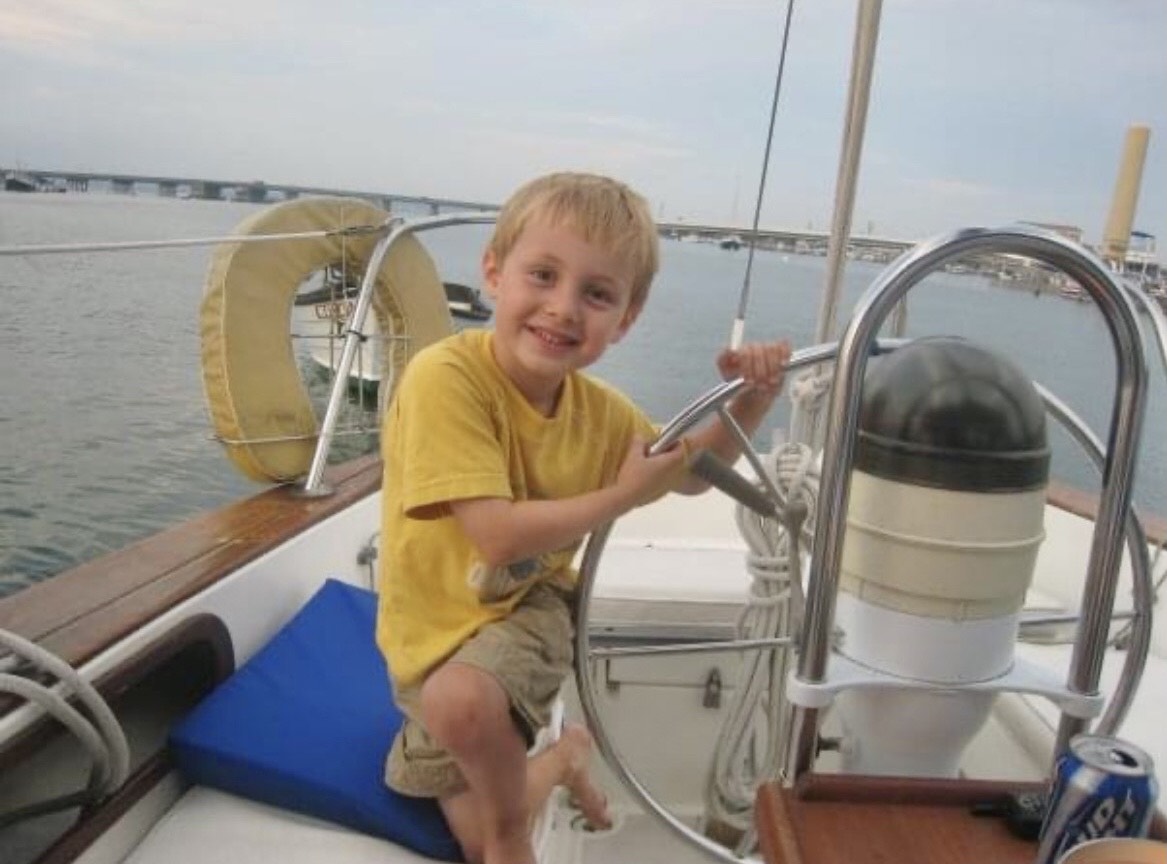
x=258, y=192
x=255, y=191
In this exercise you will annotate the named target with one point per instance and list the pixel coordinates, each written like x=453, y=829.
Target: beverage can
x=1102, y=787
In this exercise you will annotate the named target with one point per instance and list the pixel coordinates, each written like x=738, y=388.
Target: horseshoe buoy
x=259, y=407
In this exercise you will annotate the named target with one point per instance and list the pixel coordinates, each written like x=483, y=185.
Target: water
x=106, y=438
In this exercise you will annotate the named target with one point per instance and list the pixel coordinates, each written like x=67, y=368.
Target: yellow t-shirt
x=458, y=428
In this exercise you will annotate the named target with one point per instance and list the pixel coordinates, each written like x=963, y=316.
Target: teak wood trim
x=868, y=789
x=850, y=819
x=82, y=611
x=1085, y=504
x=870, y=820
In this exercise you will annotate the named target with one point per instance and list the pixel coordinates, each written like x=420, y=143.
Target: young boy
x=500, y=457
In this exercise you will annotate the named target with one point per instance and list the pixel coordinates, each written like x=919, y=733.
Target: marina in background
x=1127, y=250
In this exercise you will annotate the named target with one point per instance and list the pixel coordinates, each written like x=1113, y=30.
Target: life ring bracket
x=260, y=408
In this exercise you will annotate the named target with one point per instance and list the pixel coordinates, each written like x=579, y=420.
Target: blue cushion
x=306, y=724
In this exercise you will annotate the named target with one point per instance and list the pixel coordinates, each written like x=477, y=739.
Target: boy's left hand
x=761, y=364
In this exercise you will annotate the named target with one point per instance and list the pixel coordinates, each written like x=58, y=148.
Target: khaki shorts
x=529, y=652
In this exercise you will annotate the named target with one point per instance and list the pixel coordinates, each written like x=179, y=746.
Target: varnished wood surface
x=849, y=819
x=81, y=611
x=867, y=820
x=1086, y=504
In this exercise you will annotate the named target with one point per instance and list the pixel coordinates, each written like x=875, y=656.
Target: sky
x=982, y=112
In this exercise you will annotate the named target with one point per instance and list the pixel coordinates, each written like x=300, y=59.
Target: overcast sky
x=983, y=111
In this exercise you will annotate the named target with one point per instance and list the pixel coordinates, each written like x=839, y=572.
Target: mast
x=812, y=662
x=862, y=65
x=805, y=424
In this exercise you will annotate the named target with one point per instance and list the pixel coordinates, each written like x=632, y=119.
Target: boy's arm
x=505, y=531
x=763, y=366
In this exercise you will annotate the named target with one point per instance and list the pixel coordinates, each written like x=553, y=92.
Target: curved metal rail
x=703, y=406
x=838, y=456
x=1144, y=593
x=713, y=400
x=397, y=228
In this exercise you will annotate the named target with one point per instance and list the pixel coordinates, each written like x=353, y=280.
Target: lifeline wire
x=739, y=324
x=128, y=245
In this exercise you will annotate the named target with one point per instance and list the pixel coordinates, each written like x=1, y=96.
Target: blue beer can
x=1102, y=787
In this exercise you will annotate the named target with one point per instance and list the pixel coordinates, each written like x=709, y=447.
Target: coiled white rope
x=752, y=738
x=808, y=393
x=100, y=733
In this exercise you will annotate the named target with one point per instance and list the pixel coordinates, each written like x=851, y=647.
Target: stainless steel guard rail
x=838, y=453
x=713, y=400
x=397, y=228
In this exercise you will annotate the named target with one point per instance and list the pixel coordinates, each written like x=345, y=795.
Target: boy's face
x=559, y=303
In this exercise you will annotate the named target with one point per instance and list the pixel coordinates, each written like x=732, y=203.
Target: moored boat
x=320, y=314
x=466, y=302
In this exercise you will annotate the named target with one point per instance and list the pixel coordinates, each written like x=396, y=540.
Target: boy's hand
x=644, y=478
x=761, y=364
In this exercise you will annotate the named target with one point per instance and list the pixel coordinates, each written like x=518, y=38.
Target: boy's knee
x=462, y=706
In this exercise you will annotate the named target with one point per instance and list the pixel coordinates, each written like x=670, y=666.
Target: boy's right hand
x=645, y=478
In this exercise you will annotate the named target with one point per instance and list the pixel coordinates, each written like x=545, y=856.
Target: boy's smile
x=560, y=301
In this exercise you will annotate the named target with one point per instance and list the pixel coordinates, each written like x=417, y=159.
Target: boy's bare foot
x=576, y=745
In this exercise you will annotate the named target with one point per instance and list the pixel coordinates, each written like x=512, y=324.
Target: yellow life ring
x=253, y=387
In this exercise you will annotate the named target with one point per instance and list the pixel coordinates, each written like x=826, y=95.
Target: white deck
x=206, y=825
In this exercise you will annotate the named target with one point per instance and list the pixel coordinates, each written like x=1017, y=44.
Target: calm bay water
x=105, y=435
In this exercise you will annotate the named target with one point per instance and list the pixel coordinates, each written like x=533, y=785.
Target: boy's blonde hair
x=603, y=210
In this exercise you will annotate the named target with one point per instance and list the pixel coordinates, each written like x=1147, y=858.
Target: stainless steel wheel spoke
x=682, y=648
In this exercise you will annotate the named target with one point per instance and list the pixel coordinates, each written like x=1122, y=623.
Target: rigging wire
x=128, y=245
x=739, y=324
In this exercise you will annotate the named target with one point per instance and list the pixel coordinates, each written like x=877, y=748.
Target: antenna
x=739, y=324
